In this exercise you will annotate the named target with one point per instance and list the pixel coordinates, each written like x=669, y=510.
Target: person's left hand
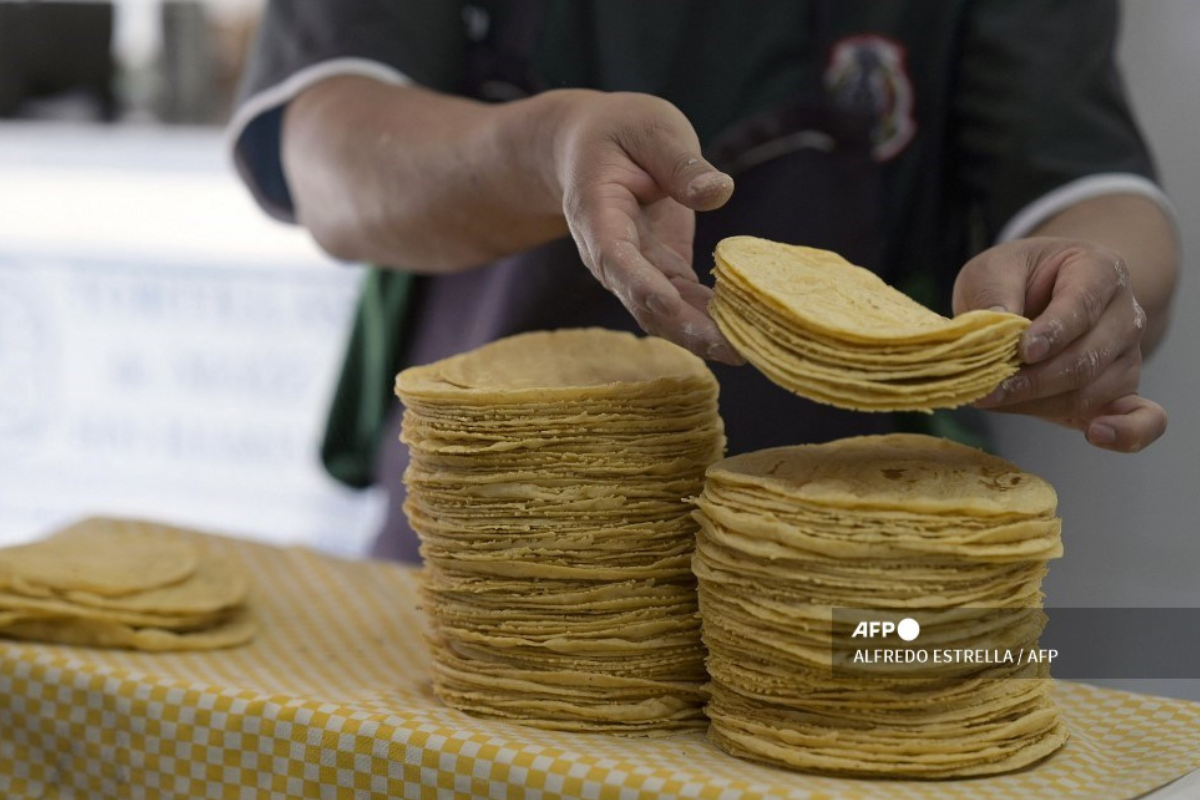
x=1082, y=352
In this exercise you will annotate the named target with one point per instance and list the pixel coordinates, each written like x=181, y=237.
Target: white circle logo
x=909, y=629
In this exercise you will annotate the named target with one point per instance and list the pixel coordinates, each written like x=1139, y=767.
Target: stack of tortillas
x=547, y=478
x=896, y=526
x=122, y=583
x=837, y=334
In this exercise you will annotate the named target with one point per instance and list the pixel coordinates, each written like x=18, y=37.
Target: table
x=332, y=700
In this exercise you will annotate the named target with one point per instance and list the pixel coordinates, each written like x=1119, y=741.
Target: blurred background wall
x=165, y=350
x=174, y=61
x=1131, y=523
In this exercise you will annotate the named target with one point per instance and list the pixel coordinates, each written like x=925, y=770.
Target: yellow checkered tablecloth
x=332, y=700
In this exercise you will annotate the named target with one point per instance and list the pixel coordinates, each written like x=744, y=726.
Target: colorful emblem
x=868, y=73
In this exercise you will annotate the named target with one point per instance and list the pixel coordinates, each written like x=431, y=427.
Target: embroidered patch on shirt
x=869, y=73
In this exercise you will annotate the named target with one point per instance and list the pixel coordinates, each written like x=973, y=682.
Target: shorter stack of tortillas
x=894, y=525
x=547, y=478
x=122, y=583
x=837, y=334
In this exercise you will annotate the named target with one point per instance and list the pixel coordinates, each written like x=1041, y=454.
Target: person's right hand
x=631, y=179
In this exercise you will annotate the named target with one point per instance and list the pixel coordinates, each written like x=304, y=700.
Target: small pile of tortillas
x=837, y=334
x=125, y=584
x=897, y=526
x=546, y=482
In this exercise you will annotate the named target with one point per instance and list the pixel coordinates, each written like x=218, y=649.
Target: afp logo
x=907, y=629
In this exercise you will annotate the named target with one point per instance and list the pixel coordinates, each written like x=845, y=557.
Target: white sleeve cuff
x=281, y=94
x=1031, y=216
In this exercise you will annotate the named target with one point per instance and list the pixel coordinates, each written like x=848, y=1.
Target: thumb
x=689, y=180
x=993, y=280
x=666, y=146
x=701, y=187
x=1127, y=424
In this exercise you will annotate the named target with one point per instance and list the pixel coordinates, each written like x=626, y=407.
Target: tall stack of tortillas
x=837, y=334
x=890, y=524
x=547, y=478
x=122, y=583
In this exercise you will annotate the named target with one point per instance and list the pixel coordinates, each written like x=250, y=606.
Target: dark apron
x=804, y=175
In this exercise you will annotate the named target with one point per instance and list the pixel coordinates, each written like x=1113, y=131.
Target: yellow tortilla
x=838, y=334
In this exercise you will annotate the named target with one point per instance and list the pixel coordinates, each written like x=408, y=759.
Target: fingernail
x=717, y=349
x=1099, y=433
x=708, y=182
x=999, y=309
x=726, y=355
x=1036, y=349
